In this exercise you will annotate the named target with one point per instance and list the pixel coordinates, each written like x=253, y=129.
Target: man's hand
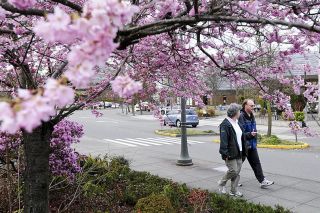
x=254, y=133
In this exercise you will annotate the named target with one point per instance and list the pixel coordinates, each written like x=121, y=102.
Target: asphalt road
x=133, y=136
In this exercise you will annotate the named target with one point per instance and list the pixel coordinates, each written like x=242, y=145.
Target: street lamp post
x=184, y=159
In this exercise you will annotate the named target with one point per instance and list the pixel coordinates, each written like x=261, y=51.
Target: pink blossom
x=22, y=4
x=96, y=113
x=311, y=92
x=298, y=82
x=7, y=117
x=168, y=6
x=125, y=87
x=3, y=13
x=33, y=111
x=96, y=29
x=56, y=28
x=250, y=6
x=80, y=74
x=60, y=95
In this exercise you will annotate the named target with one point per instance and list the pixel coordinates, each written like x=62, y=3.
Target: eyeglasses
x=251, y=105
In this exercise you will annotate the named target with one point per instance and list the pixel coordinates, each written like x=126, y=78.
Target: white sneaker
x=222, y=189
x=239, y=184
x=265, y=183
x=236, y=194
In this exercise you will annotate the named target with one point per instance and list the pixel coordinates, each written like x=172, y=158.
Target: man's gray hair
x=233, y=110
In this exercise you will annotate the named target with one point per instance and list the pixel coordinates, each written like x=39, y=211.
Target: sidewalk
x=298, y=195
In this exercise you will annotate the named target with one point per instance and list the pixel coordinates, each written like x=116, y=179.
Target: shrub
x=63, y=159
x=178, y=195
x=154, y=204
x=272, y=140
x=211, y=111
x=220, y=203
x=198, y=199
x=299, y=116
x=200, y=112
x=142, y=184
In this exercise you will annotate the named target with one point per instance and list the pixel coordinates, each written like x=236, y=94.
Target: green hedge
x=109, y=185
x=299, y=116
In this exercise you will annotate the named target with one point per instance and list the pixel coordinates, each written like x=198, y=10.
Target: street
x=133, y=137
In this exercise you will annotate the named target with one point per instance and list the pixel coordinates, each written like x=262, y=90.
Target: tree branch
x=59, y=71
x=166, y=25
x=29, y=12
x=69, y=4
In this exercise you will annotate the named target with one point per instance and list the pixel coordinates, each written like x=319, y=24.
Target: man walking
x=248, y=123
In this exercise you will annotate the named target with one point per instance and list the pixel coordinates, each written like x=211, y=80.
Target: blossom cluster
x=296, y=128
x=63, y=159
x=22, y=4
x=125, y=87
x=30, y=108
x=91, y=35
x=95, y=30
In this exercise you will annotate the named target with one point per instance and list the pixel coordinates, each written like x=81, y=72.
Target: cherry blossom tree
x=50, y=48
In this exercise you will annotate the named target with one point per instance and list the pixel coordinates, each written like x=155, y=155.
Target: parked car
x=144, y=107
x=115, y=105
x=173, y=118
x=107, y=104
x=98, y=105
x=257, y=108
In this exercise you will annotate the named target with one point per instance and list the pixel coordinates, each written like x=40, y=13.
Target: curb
x=178, y=135
x=286, y=147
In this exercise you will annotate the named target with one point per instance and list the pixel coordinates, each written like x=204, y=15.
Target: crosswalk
x=145, y=142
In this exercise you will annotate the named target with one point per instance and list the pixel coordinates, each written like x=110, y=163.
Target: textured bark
x=36, y=147
x=269, y=119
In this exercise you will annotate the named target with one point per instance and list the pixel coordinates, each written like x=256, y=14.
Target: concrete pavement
x=296, y=172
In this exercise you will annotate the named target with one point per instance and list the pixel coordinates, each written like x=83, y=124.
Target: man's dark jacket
x=229, y=147
x=248, y=124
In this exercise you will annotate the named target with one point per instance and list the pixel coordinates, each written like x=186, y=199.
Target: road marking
x=121, y=143
x=134, y=142
x=164, y=140
x=115, y=122
x=152, y=141
x=178, y=141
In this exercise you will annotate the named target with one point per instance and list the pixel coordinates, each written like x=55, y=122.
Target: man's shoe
x=265, y=183
x=236, y=194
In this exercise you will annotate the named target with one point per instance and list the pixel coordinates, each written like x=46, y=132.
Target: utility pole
x=184, y=159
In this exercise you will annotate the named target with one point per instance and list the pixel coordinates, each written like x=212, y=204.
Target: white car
x=144, y=107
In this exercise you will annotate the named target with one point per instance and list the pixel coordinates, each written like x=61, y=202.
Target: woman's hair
x=233, y=110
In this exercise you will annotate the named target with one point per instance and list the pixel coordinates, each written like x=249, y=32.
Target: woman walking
x=232, y=149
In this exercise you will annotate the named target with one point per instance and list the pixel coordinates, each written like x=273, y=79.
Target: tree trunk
x=269, y=119
x=132, y=107
x=36, y=148
x=140, y=108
